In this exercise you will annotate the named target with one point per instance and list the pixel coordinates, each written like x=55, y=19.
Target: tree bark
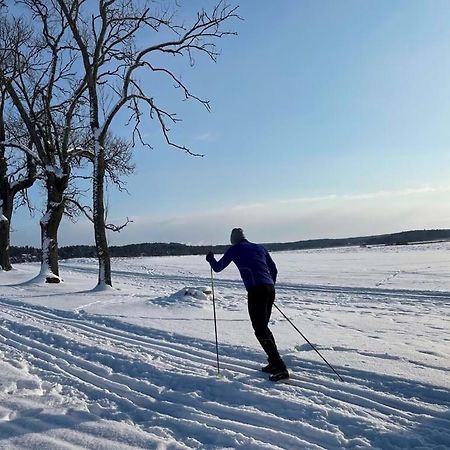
x=50, y=222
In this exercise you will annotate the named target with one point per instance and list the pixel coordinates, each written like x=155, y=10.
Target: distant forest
x=24, y=254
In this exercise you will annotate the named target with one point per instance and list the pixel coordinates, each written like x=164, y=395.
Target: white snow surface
x=134, y=367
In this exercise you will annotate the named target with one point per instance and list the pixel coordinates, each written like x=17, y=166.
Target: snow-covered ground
x=135, y=367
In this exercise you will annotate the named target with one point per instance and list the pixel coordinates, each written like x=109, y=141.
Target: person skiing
x=259, y=274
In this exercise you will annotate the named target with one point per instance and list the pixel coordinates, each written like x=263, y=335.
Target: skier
x=259, y=274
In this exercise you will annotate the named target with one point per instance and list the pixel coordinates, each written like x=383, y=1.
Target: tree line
x=23, y=254
x=70, y=70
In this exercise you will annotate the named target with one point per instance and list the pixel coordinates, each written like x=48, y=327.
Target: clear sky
x=329, y=119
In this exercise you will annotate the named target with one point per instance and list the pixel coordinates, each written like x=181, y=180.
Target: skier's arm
x=223, y=262
x=272, y=267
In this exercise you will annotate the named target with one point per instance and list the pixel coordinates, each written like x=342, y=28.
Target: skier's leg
x=259, y=298
x=269, y=304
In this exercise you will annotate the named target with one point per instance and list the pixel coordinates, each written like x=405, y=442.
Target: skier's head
x=237, y=235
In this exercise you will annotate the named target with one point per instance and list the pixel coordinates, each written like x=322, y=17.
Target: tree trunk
x=101, y=242
x=49, y=227
x=5, y=225
x=6, y=200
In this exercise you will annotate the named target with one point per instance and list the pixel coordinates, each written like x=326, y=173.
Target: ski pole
x=215, y=321
x=305, y=338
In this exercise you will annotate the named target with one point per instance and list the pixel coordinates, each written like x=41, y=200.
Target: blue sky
x=329, y=118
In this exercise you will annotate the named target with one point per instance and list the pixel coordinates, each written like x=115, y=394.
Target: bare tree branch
x=88, y=213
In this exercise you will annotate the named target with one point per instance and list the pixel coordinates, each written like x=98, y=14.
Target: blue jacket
x=253, y=261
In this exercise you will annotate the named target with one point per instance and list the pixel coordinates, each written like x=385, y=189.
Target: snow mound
x=188, y=296
x=103, y=287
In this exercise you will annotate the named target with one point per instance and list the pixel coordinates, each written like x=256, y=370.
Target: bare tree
x=117, y=46
x=36, y=71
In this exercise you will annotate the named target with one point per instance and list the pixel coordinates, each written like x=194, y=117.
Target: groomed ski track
x=165, y=385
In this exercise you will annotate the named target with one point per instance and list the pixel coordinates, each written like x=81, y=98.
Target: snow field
x=136, y=367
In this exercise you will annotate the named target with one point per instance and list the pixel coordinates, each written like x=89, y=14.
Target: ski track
x=152, y=379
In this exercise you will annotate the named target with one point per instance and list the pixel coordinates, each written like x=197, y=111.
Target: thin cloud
x=368, y=195
x=300, y=218
x=206, y=137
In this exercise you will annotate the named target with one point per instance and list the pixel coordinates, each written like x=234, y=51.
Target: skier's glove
x=210, y=257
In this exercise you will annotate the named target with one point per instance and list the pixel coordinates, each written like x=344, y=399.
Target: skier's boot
x=279, y=374
x=270, y=368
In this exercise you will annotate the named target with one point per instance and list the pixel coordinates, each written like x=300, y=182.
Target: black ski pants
x=260, y=302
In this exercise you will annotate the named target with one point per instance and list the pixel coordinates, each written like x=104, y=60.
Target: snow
x=135, y=366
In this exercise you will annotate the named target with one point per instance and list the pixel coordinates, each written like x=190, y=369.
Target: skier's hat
x=237, y=235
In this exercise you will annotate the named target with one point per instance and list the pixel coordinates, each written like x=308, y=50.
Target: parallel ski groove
x=121, y=390
x=328, y=388
x=388, y=404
